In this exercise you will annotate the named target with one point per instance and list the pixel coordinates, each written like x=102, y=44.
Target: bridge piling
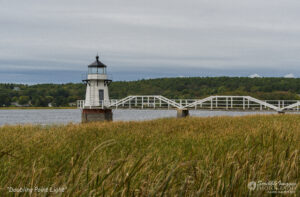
x=182, y=113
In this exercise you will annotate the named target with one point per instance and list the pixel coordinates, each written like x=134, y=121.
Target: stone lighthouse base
x=96, y=115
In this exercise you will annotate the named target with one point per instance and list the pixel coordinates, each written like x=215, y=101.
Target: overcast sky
x=55, y=40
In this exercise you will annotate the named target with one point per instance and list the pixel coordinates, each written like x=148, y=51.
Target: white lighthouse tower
x=97, y=95
x=97, y=83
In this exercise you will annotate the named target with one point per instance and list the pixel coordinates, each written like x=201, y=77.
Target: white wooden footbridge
x=227, y=103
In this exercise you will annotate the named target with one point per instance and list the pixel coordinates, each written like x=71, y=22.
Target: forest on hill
x=40, y=95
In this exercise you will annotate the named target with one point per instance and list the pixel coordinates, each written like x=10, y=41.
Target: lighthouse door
x=101, y=95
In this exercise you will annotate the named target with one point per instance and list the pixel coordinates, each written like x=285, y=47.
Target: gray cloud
x=231, y=37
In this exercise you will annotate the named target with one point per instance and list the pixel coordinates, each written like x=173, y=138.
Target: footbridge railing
x=230, y=103
x=151, y=101
x=294, y=106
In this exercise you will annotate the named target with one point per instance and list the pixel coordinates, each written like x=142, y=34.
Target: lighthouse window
x=101, y=95
x=100, y=71
x=95, y=70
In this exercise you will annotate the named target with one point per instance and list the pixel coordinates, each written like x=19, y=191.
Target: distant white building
x=72, y=104
x=16, y=89
x=254, y=76
x=19, y=105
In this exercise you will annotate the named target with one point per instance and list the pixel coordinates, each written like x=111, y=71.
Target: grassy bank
x=183, y=157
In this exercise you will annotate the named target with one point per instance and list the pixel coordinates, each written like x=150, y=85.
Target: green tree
x=23, y=100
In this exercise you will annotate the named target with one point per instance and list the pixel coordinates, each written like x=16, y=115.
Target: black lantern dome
x=97, y=64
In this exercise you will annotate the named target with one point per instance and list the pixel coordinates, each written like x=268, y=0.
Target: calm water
x=63, y=116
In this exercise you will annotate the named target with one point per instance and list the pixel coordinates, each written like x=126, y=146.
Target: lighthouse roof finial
x=97, y=57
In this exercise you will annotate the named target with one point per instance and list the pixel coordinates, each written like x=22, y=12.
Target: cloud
x=194, y=35
x=291, y=75
x=254, y=76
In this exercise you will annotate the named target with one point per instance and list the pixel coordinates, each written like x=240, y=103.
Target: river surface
x=64, y=116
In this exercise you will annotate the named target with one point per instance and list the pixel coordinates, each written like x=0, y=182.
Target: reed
x=215, y=156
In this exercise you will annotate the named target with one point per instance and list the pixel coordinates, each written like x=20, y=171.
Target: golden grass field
x=215, y=156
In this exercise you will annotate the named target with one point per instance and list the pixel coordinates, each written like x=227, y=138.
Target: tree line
x=41, y=95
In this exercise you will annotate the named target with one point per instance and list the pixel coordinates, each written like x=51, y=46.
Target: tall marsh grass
x=215, y=156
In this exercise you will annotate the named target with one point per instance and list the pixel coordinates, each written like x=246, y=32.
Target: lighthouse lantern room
x=97, y=82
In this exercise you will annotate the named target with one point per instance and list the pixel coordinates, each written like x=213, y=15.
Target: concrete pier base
x=182, y=113
x=96, y=115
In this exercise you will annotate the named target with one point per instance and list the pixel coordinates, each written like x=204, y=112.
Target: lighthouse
x=97, y=95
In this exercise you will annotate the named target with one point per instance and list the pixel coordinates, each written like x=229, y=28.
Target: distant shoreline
x=12, y=108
